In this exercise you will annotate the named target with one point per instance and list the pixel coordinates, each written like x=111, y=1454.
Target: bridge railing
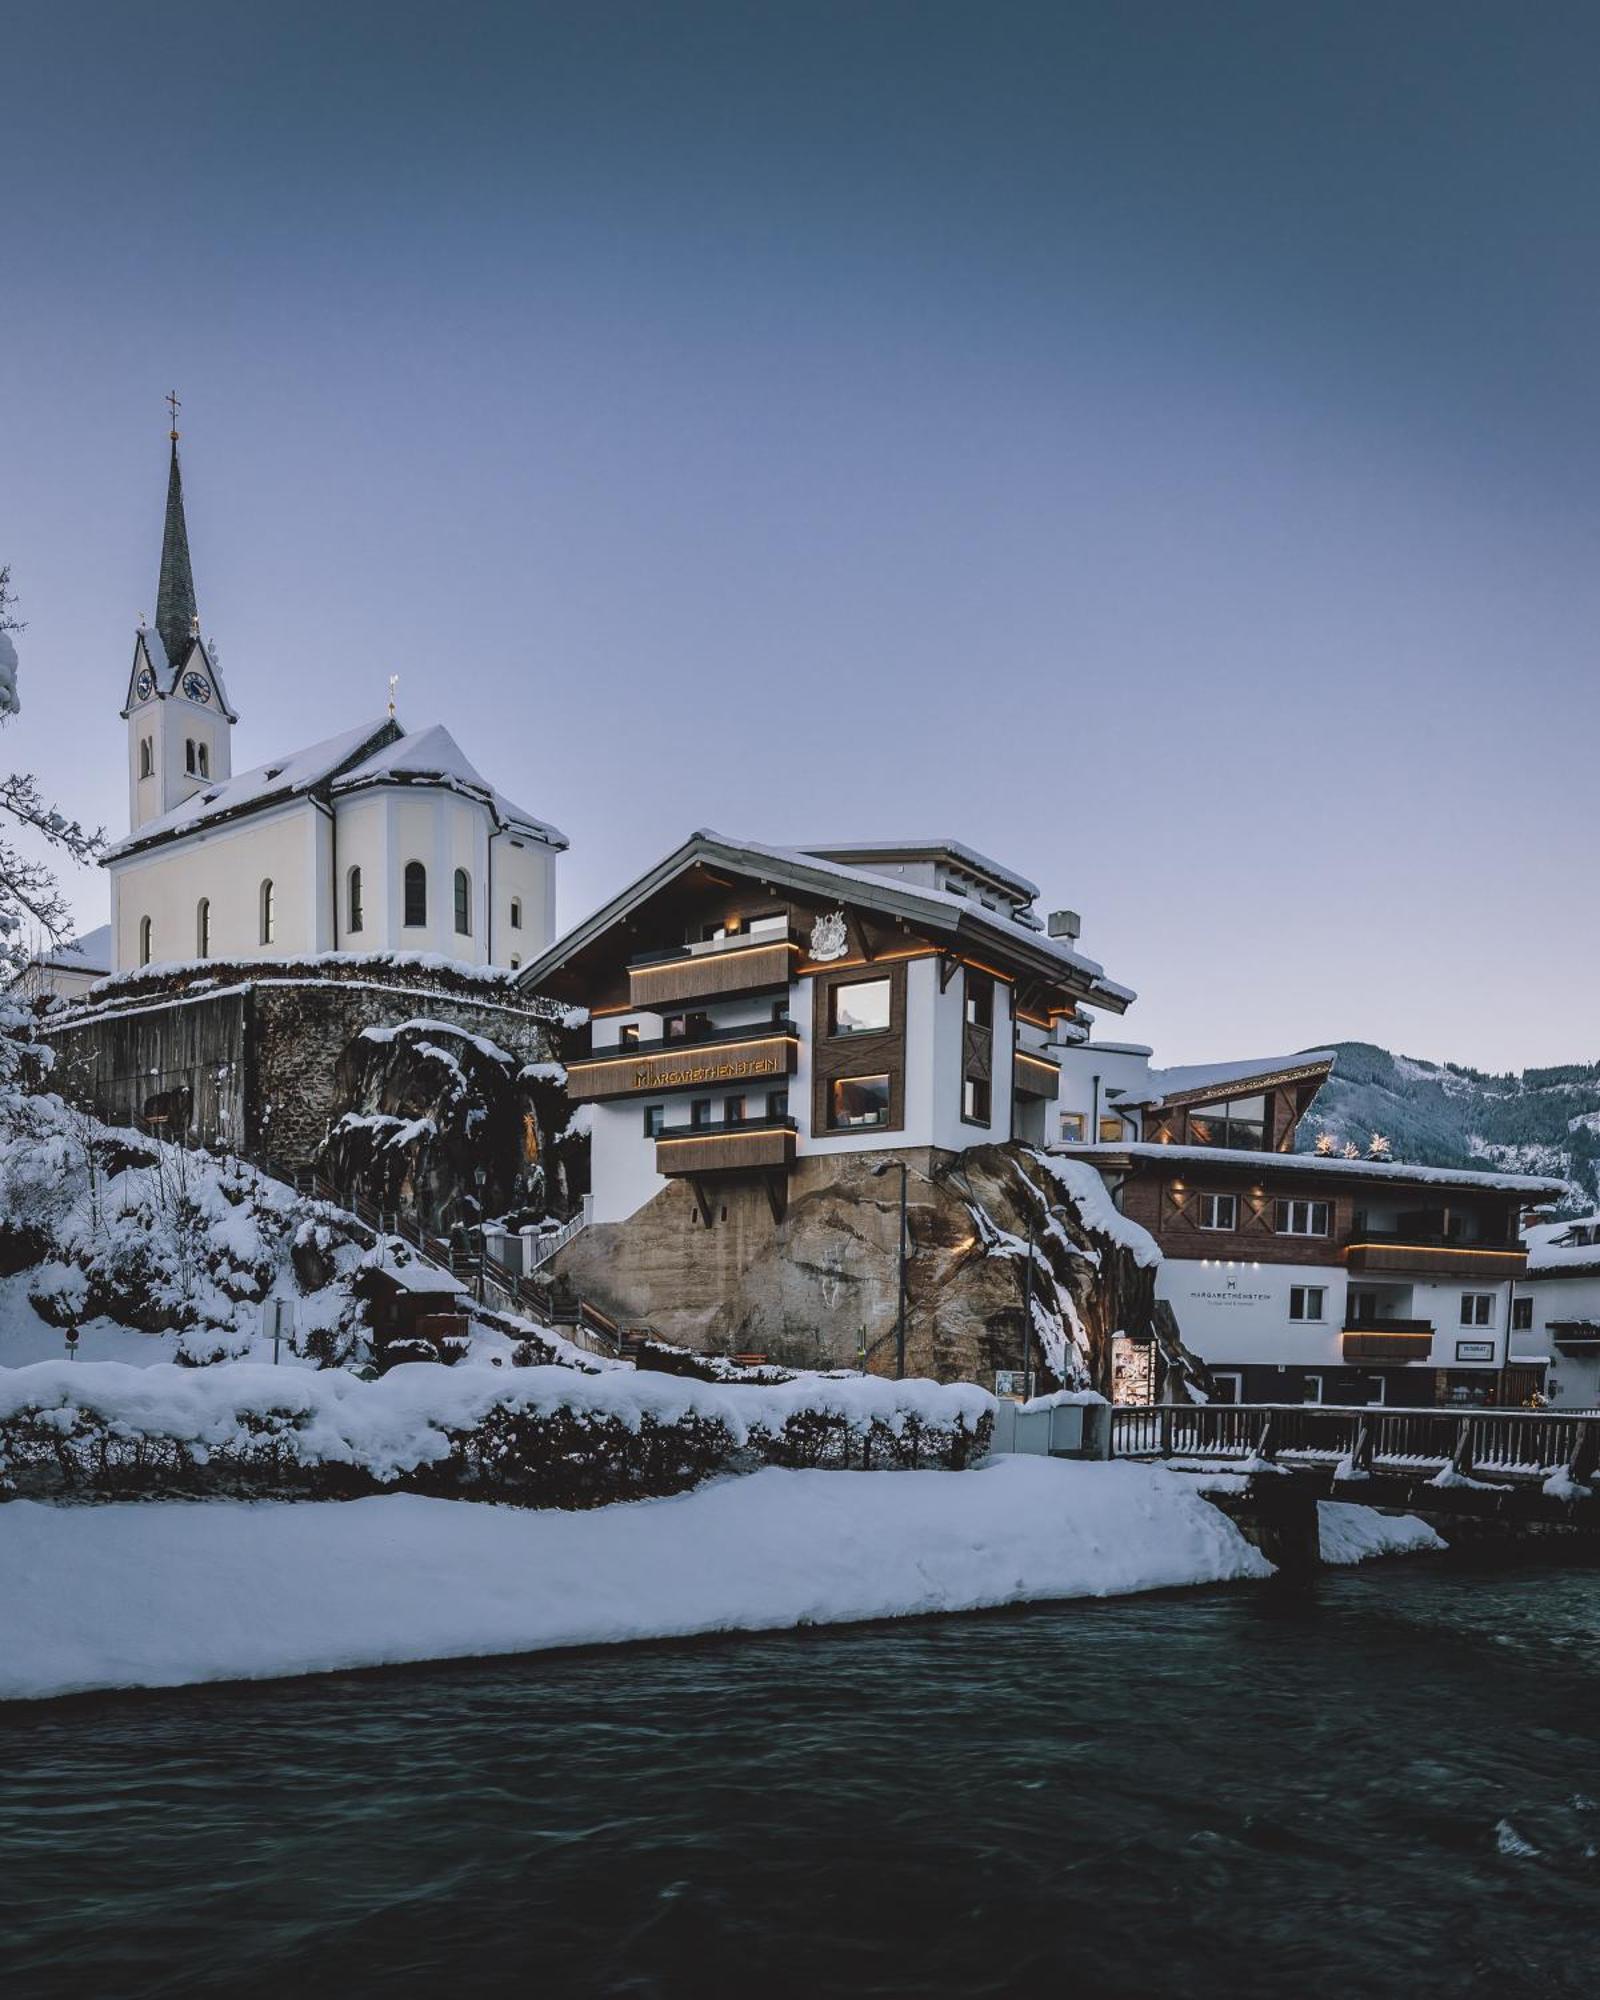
x=1509, y=1444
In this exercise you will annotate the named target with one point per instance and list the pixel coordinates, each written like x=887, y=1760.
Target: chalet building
x=757, y=1011
x=1299, y=1277
x=1555, y=1316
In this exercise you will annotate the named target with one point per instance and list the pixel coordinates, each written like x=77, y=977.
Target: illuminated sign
x=622, y=1073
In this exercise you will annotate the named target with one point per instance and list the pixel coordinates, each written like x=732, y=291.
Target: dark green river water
x=1387, y=1784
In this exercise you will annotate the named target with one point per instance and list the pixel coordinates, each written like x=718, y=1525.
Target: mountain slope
x=1543, y=1121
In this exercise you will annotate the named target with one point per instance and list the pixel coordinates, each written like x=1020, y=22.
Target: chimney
x=1065, y=924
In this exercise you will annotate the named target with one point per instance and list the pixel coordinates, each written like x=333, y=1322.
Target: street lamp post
x=1027, y=1321
x=883, y=1167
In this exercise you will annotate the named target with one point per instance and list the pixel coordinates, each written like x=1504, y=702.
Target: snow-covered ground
x=160, y=1594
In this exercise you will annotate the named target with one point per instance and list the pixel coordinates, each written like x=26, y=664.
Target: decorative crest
x=829, y=938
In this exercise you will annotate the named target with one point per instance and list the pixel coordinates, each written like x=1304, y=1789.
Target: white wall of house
x=622, y=1159
x=1119, y=1066
x=1573, y=1381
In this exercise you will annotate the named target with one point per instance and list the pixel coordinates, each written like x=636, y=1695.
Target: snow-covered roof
x=914, y=901
x=916, y=850
x=413, y=1276
x=432, y=756
x=1166, y=1084
x=377, y=752
x=1318, y=1163
x=89, y=953
x=1568, y=1248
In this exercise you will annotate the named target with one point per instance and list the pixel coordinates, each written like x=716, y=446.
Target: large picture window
x=858, y=1102
x=859, y=1007
x=1239, y=1123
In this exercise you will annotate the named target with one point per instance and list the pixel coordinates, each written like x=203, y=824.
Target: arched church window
x=202, y=928
x=463, y=903
x=416, y=894
x=269, y=921
x=189, y=762
x=516, y=913
x=202, y=755
x=147, y=756
x=355, y=916
x=146, y=939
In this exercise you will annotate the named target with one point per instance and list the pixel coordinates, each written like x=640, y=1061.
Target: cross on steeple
x=172, y=403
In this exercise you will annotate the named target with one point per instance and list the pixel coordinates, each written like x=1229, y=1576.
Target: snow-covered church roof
x=378, y=752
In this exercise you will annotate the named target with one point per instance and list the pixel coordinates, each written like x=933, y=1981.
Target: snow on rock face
x=164, y=1594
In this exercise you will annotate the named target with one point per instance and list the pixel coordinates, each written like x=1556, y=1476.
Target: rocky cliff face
x=449, y=1127
x=819, y=1288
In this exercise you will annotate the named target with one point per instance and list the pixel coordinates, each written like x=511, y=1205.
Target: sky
x=1155, y=444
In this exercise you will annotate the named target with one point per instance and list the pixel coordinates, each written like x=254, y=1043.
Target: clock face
x=144, y=686
x=197, y=687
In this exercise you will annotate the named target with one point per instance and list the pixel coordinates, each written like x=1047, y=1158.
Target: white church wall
x=226, y=866
x=523, y=869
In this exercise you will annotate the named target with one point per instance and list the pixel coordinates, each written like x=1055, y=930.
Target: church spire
x=176, y=614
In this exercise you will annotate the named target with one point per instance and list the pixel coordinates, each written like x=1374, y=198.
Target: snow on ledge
x=166, y=1593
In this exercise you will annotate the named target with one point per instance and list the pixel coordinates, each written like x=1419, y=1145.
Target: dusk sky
x=1156, y=445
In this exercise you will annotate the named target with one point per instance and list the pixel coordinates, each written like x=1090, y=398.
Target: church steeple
x=176, y=611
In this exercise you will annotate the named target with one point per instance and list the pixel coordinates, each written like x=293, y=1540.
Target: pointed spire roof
x=175, y=606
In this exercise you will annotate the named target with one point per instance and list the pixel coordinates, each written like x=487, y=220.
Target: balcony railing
x=706, y=971
x=1575, y=1336
x=732, y=1146
x=1370, y=1251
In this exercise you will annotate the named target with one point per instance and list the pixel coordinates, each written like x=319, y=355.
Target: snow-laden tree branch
x=31, y=903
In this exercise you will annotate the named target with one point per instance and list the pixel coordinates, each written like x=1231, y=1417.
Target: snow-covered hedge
x=538, y=1436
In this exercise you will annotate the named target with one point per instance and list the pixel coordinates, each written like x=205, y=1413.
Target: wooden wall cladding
x=725, y=1151
x=711, y=975
x=878, y=1054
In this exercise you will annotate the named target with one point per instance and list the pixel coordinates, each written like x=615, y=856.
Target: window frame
x=1472, y=1316
x=1522, y=1313
x=516, y=913
x=461, y=902
x=267, y=912
x=838, y=1083
x=1227, y=1228
x=414, y=894
x=971, y=1114
x=655, y=1120
x=1304, y=1293
x=1078, y=1118
x=147, y=935
x=202, y=928
x=1285, y=1204
x=886, y=1026
x=355, y=910
x=977, y=1000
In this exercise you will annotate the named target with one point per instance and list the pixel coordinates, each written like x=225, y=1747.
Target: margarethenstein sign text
x=681, y=1070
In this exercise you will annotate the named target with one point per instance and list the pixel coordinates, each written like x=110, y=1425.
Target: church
x=377, y=840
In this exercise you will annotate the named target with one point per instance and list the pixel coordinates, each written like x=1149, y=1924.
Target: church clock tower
x=180, y=725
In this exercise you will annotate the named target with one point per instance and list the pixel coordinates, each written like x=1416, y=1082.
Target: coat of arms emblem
x=828, y=938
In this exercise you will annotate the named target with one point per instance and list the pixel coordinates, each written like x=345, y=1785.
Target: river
x=1386, y=1783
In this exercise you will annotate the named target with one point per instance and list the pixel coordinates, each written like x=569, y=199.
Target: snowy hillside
x=1543, y=1121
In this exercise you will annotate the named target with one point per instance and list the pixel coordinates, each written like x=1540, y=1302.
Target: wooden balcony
x=765, y=1052
x=1575, y=1336
x=1404, y=1256
x=712, y=971
x=753, y=1146
x=1388, y=1340
x=1033, y=1074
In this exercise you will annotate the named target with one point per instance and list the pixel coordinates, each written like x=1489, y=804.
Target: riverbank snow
x=161, y=1594
x=1348, y=1533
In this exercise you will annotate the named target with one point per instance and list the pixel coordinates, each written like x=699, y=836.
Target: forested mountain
x=1543, y=1121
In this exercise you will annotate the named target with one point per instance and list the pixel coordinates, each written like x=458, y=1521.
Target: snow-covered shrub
x=580, y=1458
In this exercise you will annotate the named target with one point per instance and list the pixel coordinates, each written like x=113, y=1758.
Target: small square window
x=628, y=1035
x=700, y=1111
x=975, y=1099
x=1074, y=1124
x=777, y=1104
x=655, y=1118
x=1477, y=1308
x=1219, y=1211
x=733, y=1110
x=858, y=1101
x=1306, y=1302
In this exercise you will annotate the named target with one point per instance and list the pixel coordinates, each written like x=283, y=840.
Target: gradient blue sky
x=1157, y=444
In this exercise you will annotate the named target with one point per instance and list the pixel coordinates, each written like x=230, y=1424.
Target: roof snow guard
x=809, y=873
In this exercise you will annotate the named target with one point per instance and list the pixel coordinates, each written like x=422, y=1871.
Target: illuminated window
x=1239, y=1124
x=859, y=1007
x=1074, y=1124
x=628, y=1035
x=858, y=1101
x=1110, y=1129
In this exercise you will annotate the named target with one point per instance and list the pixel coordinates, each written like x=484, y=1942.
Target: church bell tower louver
x=180, y=725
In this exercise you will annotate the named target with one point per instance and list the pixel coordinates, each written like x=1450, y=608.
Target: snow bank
x=1092, y=1198
x=162, y=1594
x=1352, y=1534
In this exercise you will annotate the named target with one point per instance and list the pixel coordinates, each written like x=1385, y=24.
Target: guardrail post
x=1164, y=1443
x=1361, y=1449
x=1461, y=1457
x=1266, y=1444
